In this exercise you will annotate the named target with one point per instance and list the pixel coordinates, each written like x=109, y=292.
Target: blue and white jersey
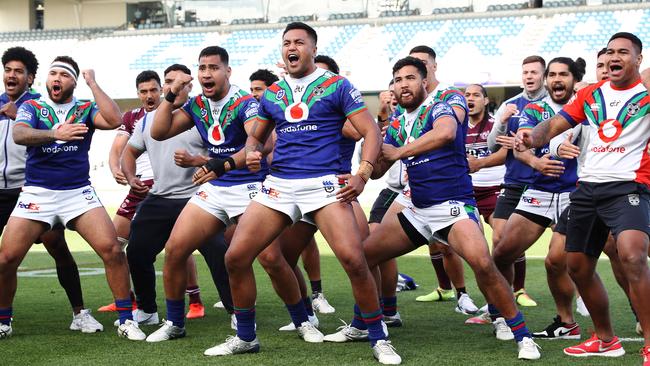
x=439, y=175
x=532, y=115
x=221, y=125
x=309, y=114
x=58, y=165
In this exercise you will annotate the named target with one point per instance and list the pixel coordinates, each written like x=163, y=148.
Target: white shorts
x=55, y=206
x=429, y=221
x=544, y=204
x=225, y=203
x=404, y=198
x=298, y=197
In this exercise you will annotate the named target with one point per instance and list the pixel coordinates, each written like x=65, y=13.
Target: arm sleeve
x=498, y=129
x=137, y=139
x=351, y=99
x=556, y=141
x=27, y=115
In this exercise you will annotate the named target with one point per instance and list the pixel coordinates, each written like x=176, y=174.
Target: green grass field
x=432, y=333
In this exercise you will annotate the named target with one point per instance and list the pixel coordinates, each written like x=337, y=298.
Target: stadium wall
x=15, y=15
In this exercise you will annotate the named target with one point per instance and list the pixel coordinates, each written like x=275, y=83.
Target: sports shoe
x=291, y=327
x=309, y=333
x=218, y=305
x=233, y=322
x=130, y=330
x=167, y=331
x=112, y=307
x=581, y=308
x=197, y=310
x=85, y=322
x=393, y=321
x=143, y=318
x=320, y=303
x=385, y=353
x=559, y=330
x=466, y=305
x=347, y=333
x=595, y=347
x=528, y=349
x=484, y=318
x=502, y=331
x=5, y=331
x=437, y=295
x=523, y=299
x=232, y=346
x=638, y=329
x=645, y=353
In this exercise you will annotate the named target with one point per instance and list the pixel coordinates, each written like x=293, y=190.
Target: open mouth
x=293, y=59
x=208, y=86
x=150, y=103
x=615, y=68
x=530, y=84
x=11, y=84
x=56, y=90
x=470, y=105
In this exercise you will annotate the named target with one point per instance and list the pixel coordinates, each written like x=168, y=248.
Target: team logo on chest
x=280, y=94
x=296, y=112
x=44, y=112
x=633, y=109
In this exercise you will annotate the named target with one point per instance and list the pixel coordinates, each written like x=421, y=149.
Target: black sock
x=316, y=286
x=69, y=280
x=460, y=291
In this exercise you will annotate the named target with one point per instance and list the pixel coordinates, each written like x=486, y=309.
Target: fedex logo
x=202, y=195
x=29, y=206
x=271, y=192
x=531, y=200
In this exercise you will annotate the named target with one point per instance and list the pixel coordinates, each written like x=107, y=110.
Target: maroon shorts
x=486, y=200
x=131, y=202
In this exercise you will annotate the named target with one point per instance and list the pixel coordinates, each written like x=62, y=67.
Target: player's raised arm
x=170, y=121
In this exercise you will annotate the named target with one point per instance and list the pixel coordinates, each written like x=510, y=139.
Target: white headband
x=65, y=67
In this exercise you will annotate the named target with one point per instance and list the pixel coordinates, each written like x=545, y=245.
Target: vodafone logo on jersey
x=296, y=112
x=215, y=135
x=609, y=130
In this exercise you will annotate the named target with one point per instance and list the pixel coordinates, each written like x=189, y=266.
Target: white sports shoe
x=502, y=330
x=232, y=346
x=85, y=322
x=130, y=330
x=167, y=331
x=291, y=327
x=385, y=353
x=347, y=333
x=5, y=331
x=309, y=333
x=143, y=318
x=581, y=308
x=528, y=349
x=320, y=304
x=393, y=321
x=218, y=305
x=466, y=305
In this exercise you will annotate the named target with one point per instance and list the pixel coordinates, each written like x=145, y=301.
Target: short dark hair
x=215, y=51
x=300, y=25
x=146, y=75
x=532, y=59
x=23, y=55
x=264, y=75
x=576, y=68
x=483, y=90
x=601, y=52
x=177, y=67
x=68, y=60
x=331, y=64
x=630, y=37
x=423, y=49
x=411, y=61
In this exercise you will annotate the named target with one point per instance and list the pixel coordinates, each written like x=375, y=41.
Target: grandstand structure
x=483, y=45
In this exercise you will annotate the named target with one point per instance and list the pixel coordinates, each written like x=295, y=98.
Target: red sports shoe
x=596, y=347
x=111, y=307
x=645, y=353
x=197, y=310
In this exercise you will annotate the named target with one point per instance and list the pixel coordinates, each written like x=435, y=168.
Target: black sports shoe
x=559, y=330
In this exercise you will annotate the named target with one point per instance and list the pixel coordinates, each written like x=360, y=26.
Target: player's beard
x=418, y=96
x=65, y=95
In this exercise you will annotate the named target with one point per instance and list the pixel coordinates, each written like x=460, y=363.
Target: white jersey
x=618, y=129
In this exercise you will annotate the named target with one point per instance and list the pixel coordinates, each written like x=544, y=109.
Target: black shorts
x=381, y=205
x=563, y=222
x=8, y=199
x=507, y=201
x=597, y=208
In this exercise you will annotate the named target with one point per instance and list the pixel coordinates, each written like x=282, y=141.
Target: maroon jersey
x=129, y=119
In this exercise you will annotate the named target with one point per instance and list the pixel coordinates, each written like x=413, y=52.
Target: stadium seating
x=489, y=41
